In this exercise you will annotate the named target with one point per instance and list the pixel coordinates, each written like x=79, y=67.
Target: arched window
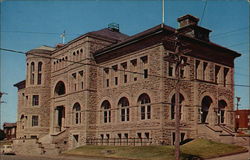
x=205, y=105
x=181, y=99
x=39, y=74
x=60, y=88
x=32, y=73
x=124, y=107
x=106, y=107
x=221, y=112
x=145, y=107
x=77, y=113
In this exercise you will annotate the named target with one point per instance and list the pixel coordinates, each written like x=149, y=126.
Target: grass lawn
x=199, y=147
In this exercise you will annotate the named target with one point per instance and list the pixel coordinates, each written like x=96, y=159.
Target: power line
x=229, y=32
x=203, y=12
x=47, y=33
x=110, y=68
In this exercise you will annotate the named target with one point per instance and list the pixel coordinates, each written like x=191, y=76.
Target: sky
x=28, y=24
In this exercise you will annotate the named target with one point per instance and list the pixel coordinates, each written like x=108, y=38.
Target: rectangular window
x=35, y=100
x=107, y=82
x=170, y=70
x=39, y=78
x=122, y=114
x=142, y=112
x=75, y=87
x=204, y=76
x=124, y=65
x=81, y=85
x=116, y=80
x=81, y=73
x=145, y=74
x=148, y=112
x=147, y=135
x=144, y=59
x=74, y=75
x=34, y=121
x=32, y=78
x=217, y=70
x=225, y=76
x=125, y=78
x=105, y=116
x=139, y=135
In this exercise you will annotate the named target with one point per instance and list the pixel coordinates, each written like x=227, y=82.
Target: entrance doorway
x=60, y=111
x=221, y=111
x=205, y=105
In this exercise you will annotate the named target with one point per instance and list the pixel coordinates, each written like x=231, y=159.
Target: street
x=19, y=157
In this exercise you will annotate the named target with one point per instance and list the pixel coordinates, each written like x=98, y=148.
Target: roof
x=109, y=33
x=106, y=33
x=136, y=37
x=20, y=85
x=9, y=125
x=42, y=50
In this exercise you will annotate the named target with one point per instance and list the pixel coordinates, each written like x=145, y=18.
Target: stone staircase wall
x=221, y=134
x=27, y=147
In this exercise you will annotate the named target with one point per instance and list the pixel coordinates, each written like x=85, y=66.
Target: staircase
x=220, y=133
x=54, y=144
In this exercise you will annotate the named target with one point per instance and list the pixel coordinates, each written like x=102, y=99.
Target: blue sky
x=228, y=19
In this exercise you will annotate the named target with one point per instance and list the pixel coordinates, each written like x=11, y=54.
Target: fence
x=120, y=141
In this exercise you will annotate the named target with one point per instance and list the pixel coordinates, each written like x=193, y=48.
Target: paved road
x=242, y=156
x=18, y=157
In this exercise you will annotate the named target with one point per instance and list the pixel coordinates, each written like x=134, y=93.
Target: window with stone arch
x=145, y=106
x=123, y=105
x=172, y=106
x=77, y=113
x=32, y=73
x=106, y=111
x=60, y=88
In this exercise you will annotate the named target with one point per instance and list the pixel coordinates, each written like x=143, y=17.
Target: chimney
x=188, y=25
x=187, y=20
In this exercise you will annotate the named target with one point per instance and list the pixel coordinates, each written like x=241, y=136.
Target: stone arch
x=206, y=103
x=76, y=109
x=60, y=88
x=106, y=111
x=123, y=105
x=183, y=99
x=222, y=106
x=144, y=103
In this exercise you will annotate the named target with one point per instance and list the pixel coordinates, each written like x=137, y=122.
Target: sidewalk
x=241, y=156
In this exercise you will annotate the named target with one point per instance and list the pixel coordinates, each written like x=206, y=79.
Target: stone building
x=9, y=130
x=106, y=87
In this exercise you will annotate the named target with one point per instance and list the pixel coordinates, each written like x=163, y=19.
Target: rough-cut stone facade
x=106, y=87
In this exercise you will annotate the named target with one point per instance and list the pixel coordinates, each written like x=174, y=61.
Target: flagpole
x=163, y=11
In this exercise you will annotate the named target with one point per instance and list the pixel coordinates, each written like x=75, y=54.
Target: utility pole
x=237, y=104
x=1, y=94
x=177, y=59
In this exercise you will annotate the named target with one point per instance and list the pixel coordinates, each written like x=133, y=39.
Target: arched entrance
x=205, y=105
x=221, y=111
